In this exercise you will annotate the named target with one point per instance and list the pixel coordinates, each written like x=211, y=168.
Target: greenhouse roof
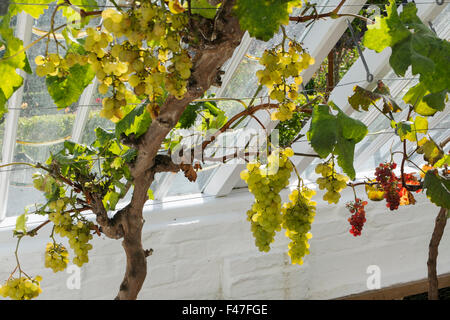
x=34, y=126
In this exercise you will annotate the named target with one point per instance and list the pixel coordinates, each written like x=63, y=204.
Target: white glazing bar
x=23, y=28
x=164, y=185
x=433, y=121
x=236, y=59
x=83, y=111
x=378, y=65
x=84, y=103
x=232, y=65
x=318, y=40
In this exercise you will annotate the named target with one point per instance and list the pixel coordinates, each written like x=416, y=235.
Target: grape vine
x=154, y=62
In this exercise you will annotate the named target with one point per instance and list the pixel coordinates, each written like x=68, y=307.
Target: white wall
x=203, y=249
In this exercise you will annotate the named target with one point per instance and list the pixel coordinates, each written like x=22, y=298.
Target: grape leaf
x=414, y=45
x=203, y=8
x=349, y=133
x=34, y=8
x=338, y=134
x=136, y=121
x=103, y=137
x=363, y=98
x=4, y=6
x=386, y=31
x=21, y=223
x=410, y=129
x=3, y=108
x=430, y=150
x=11, y=60
x=445, y=160
x=322, y=131
x=262, y=19
x=110, y=200
x=150, y=194
x=345, y=151
x=73, y=15
x=436, y=100
x=437, y=189
x=415, y=97
x=189, y=115
x=214, y=120
x=66, y=90
x=351, y=129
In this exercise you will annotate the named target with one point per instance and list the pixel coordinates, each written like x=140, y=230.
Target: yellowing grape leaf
x=363, y=99
x=12, y=60
x=406, y=197
x=34, y=8
x=110, y=200
x=419, y=126
x=445, y=160
x=21, y=221
x=150, y=194
x=437, y=189
x=430, y=150
x=414, y=46
x=387, y=31
x=415, y=97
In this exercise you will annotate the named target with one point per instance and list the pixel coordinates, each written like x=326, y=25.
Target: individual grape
x=39, y=60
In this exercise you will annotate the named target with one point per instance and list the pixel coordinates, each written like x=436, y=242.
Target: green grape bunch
x=74, y=227
x=281, y=75
x=265, y=183
x=297, y=217
x=332, y=181
x=137, y=54
x=56, y=65
x=22, y=288
x=56, y=257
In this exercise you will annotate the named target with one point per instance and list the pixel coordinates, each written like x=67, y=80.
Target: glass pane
x=41, y=128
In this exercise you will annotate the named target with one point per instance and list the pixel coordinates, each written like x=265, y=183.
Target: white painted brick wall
x=203, y=249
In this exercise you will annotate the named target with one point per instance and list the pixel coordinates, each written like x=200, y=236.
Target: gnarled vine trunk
x=433, y=287
x=224, y=36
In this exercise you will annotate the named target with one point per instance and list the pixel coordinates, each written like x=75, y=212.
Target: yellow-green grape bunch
x=281, y=75
x=151, y=59
x=332, y=181
x=56, y=257
x=298, y=215
x=55, y=65
x=72, y=227
x=22, y=288
x=266, y=183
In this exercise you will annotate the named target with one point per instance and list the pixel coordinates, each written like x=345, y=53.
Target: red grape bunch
x=390, y=184
x=358, y=216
